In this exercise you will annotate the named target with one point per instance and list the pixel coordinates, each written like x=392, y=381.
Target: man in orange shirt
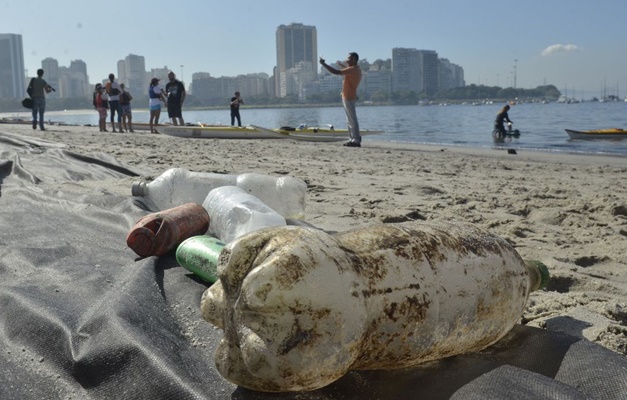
x=352, y=77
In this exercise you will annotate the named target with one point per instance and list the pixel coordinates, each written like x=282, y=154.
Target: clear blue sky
x=577, y=45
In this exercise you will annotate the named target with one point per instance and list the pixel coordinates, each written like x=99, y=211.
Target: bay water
x=542, y=126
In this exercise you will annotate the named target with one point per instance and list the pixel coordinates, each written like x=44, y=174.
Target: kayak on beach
x=244, y=132
x=323, y=130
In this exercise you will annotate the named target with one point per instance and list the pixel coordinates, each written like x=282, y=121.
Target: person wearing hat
x=156, y=95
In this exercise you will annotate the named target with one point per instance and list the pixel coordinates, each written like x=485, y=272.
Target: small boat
x=610, y=133
x=327, y=130
x=221, y=132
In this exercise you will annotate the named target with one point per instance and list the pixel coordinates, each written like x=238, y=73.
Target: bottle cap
x=138, y=189
x=142, y=240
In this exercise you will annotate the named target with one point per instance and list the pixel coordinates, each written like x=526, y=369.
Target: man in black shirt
x=235, y=102
x=175, y=91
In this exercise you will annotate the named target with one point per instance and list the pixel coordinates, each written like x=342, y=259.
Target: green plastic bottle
x=200, y=254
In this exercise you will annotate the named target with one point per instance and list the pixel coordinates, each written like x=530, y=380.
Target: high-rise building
x=430, y=74
x=51, y=75
x=415, y=70
x=12, y=73
x=132, y=73
x=406, y=70
x=296, y=45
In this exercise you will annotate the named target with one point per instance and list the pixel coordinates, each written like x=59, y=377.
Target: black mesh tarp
x=81, y=318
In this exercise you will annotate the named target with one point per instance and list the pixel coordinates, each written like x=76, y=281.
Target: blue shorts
x=155, y=107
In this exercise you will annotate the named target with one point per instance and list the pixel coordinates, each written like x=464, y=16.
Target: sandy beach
x=568, y=211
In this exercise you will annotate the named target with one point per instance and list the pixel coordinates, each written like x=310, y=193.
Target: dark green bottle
x=200, y=254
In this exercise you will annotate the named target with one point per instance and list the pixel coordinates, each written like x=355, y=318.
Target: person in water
x=501, y=118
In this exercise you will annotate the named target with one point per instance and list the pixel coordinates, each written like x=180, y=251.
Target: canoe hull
x=324, y=131
x=221, y=132
x=612, y=133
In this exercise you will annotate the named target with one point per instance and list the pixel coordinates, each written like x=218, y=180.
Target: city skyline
x=496, y=43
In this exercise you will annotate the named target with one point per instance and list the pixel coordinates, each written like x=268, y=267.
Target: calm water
x=541, y=125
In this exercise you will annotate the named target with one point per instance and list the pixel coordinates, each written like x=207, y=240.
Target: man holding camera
x=352, y=76
x=37, y=90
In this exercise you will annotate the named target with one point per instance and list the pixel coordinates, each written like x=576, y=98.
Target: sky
x=579, y=46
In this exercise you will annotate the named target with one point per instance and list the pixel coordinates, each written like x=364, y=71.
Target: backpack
x=29, y=90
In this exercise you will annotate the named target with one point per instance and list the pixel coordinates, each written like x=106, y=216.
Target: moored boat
x=610, y=133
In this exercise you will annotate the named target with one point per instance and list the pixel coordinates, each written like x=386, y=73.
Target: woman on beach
x=101, y=105
x=156, y=97
x=501, y=117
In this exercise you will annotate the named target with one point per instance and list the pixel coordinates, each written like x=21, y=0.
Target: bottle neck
x=538, y=274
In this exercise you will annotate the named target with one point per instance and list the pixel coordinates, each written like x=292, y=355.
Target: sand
x=568, y=211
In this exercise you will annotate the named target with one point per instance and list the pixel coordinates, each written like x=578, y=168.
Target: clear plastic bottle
x=176, y=186
x=234, y=212
x=285, y=194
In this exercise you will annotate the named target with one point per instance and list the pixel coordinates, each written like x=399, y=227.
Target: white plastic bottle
x=176, y=186
x=285, y=195
x=233, y=213
x=300, y=308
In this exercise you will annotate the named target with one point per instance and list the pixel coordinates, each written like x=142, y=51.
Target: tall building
x=51, y=75
x=406, y=70
x=296, y=45
x=132, y=73
x=430, y=74
x=415, y=70
x=12, y=72
x=68, y=82
x=79, y=81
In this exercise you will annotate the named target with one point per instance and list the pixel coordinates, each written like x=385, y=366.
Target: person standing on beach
x=156, y=95
x=501, y=117
x=125, y=109
x=235, y=102
x=175, y=91
x=352, y=76
x=113, y=91
x=37, y=89
x=101, y=105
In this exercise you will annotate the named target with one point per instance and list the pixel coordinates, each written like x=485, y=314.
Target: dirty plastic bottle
x=285, y=194
x=157, y=233
x=300, y=307
x=199, y=254
x=235, y=212
x=176, y=186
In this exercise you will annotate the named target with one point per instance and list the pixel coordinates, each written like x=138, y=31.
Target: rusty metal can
x=158, y=233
